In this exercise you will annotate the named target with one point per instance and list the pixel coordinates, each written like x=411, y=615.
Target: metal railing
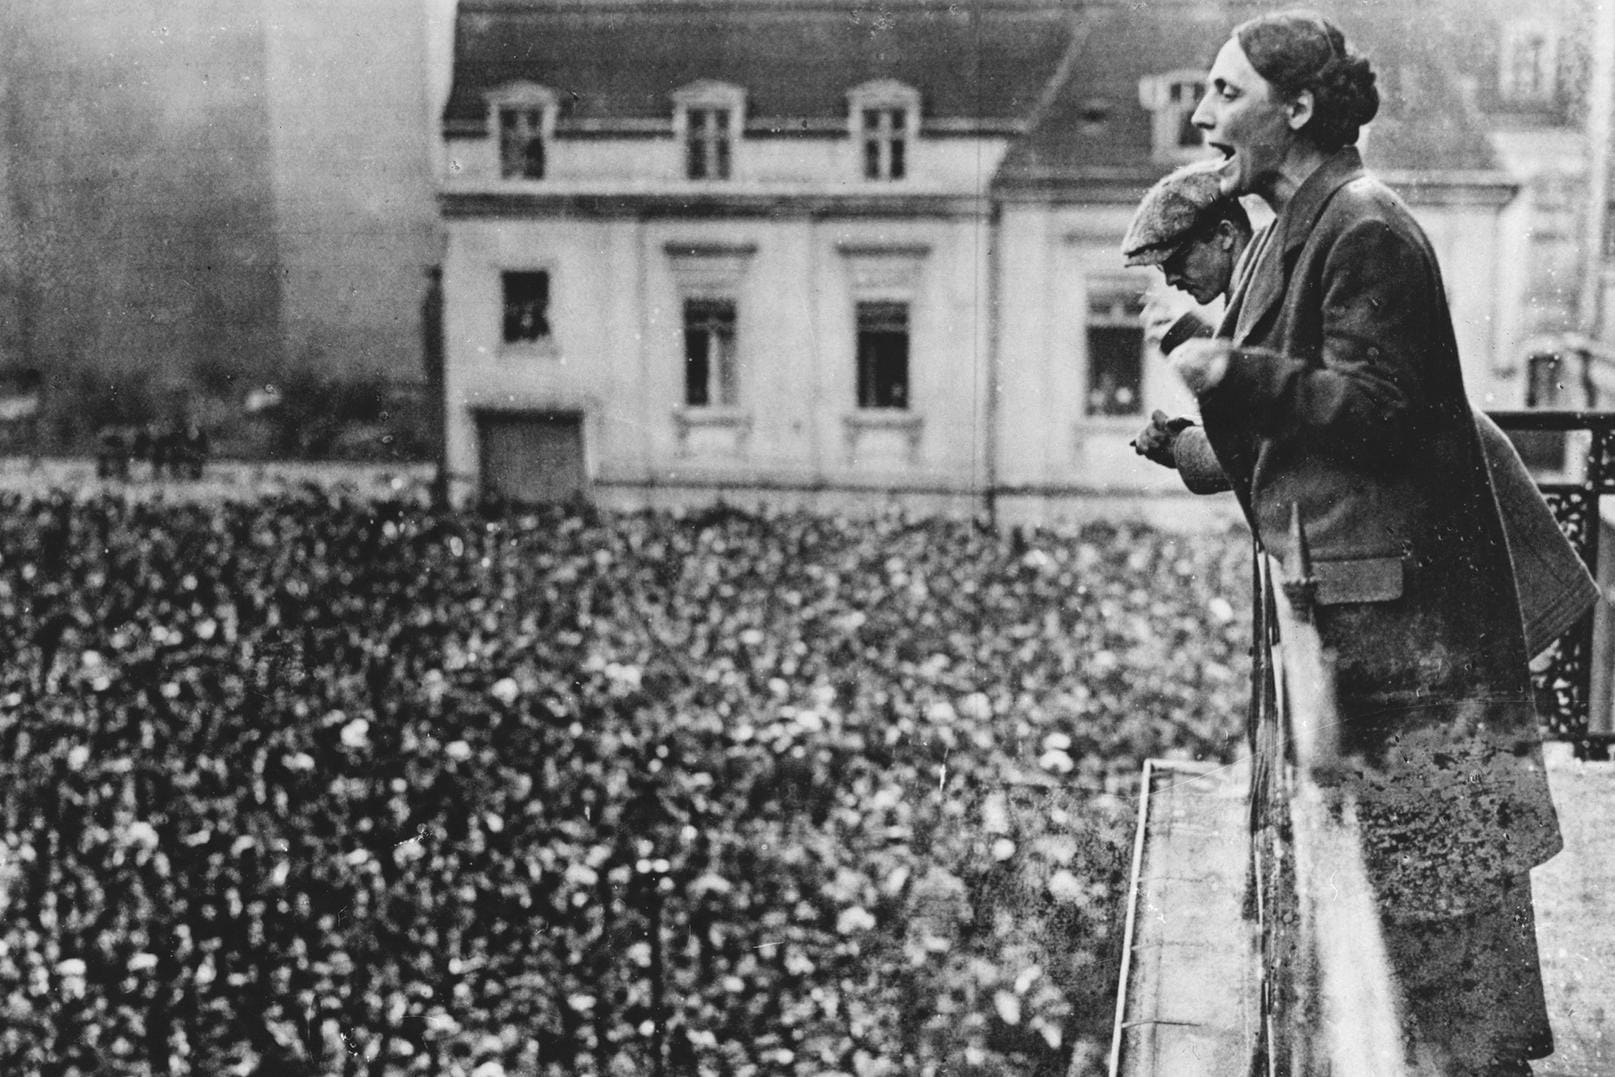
x=1328, y=998
x=1576, y=449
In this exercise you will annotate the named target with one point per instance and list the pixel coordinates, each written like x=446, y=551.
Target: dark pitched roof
x=987, y=60
x=1095, y=129
x=1068, y=69
x=1094, y=125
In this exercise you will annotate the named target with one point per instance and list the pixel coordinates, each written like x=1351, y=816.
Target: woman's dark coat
x=1344, y=396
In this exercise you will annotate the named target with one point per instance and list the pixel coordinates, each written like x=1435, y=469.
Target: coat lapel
x=1265, y=275
x=1241, y=281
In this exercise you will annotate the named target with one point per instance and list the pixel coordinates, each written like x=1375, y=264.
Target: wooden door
x=532, y=456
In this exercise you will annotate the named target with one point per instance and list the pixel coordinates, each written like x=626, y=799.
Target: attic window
x=885, y=142
x=707, y=119
x=1172, y=99
x=1528, y=63
x=521, y=142
x=523, y=115
x=883, y=118
x=707, y=143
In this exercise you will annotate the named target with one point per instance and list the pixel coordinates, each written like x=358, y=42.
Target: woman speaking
x=1333, y=386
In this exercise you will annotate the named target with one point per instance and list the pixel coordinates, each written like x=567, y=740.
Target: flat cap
x=1169, y=212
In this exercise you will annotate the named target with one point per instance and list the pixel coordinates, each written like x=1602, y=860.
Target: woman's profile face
x=1244, y=120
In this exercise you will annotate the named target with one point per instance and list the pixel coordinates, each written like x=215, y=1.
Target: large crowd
x=314, y=785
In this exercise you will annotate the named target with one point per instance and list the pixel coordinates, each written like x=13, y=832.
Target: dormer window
x=707, y=117
x=521, y=143
x=1528, y=72
x=707, y=144
x=524, y=118
x=1172, y=99
x=884, y=117
x=885, y=143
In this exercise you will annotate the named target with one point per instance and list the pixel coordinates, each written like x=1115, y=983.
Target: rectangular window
x=1529, y=72
x=526, y=306
x=708, y=143
x=1172, y=99
x=883, y=355
x=885, y=143
x=1115, y=354
x=521, y=143
x=1185, y=98
x=710, y=375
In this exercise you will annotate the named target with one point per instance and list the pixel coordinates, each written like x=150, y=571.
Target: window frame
x=544, y=341
x=533, y=100
x=715, y=145
x=870, y=396
x=1171, y=98
x=1119, y=297
x=1515, y=33
x=894, y=135
x=720, y=384
x=708, y=144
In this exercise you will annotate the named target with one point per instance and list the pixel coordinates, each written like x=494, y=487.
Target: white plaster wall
x=583, y=366
x=1050, y=260
x=952, y=164
x=616, y=352
x=1469, y=241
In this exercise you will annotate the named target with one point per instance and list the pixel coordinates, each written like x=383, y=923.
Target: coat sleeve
x=1197, y=463
x=1357, y=400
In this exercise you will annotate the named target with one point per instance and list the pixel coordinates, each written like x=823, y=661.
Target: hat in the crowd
x=1169, y=212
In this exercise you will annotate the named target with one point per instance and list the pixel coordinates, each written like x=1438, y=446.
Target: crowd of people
x=313, y=785
x=178, y=452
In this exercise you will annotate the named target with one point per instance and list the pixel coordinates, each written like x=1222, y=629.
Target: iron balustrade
x=1575, y=493
x=1329, y=1003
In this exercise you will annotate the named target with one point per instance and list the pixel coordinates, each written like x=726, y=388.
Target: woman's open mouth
x=1227, y=170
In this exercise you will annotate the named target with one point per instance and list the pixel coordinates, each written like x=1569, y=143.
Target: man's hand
x=1154, y=442
x=1161, y=310
x=1201, y=363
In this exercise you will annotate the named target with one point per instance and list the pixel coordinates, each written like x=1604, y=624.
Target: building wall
x=822, y=163
x=616, y=309
x=1053, y=258
x=1469, y=234
x=350, y=127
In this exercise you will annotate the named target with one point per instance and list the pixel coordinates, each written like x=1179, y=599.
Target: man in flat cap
x=1197, y=235
x=1189, y=228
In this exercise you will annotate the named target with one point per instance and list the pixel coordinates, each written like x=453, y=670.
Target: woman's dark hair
x=1301, y=50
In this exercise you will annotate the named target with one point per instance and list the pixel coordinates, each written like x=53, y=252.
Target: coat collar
x=1244, y=268
x=1301, y=215
x=1262, y=283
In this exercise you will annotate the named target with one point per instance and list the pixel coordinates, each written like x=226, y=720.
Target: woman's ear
x=1299, y=110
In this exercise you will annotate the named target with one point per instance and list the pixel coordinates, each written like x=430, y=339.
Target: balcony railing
x=1328, y=1000
x=1576, y=452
